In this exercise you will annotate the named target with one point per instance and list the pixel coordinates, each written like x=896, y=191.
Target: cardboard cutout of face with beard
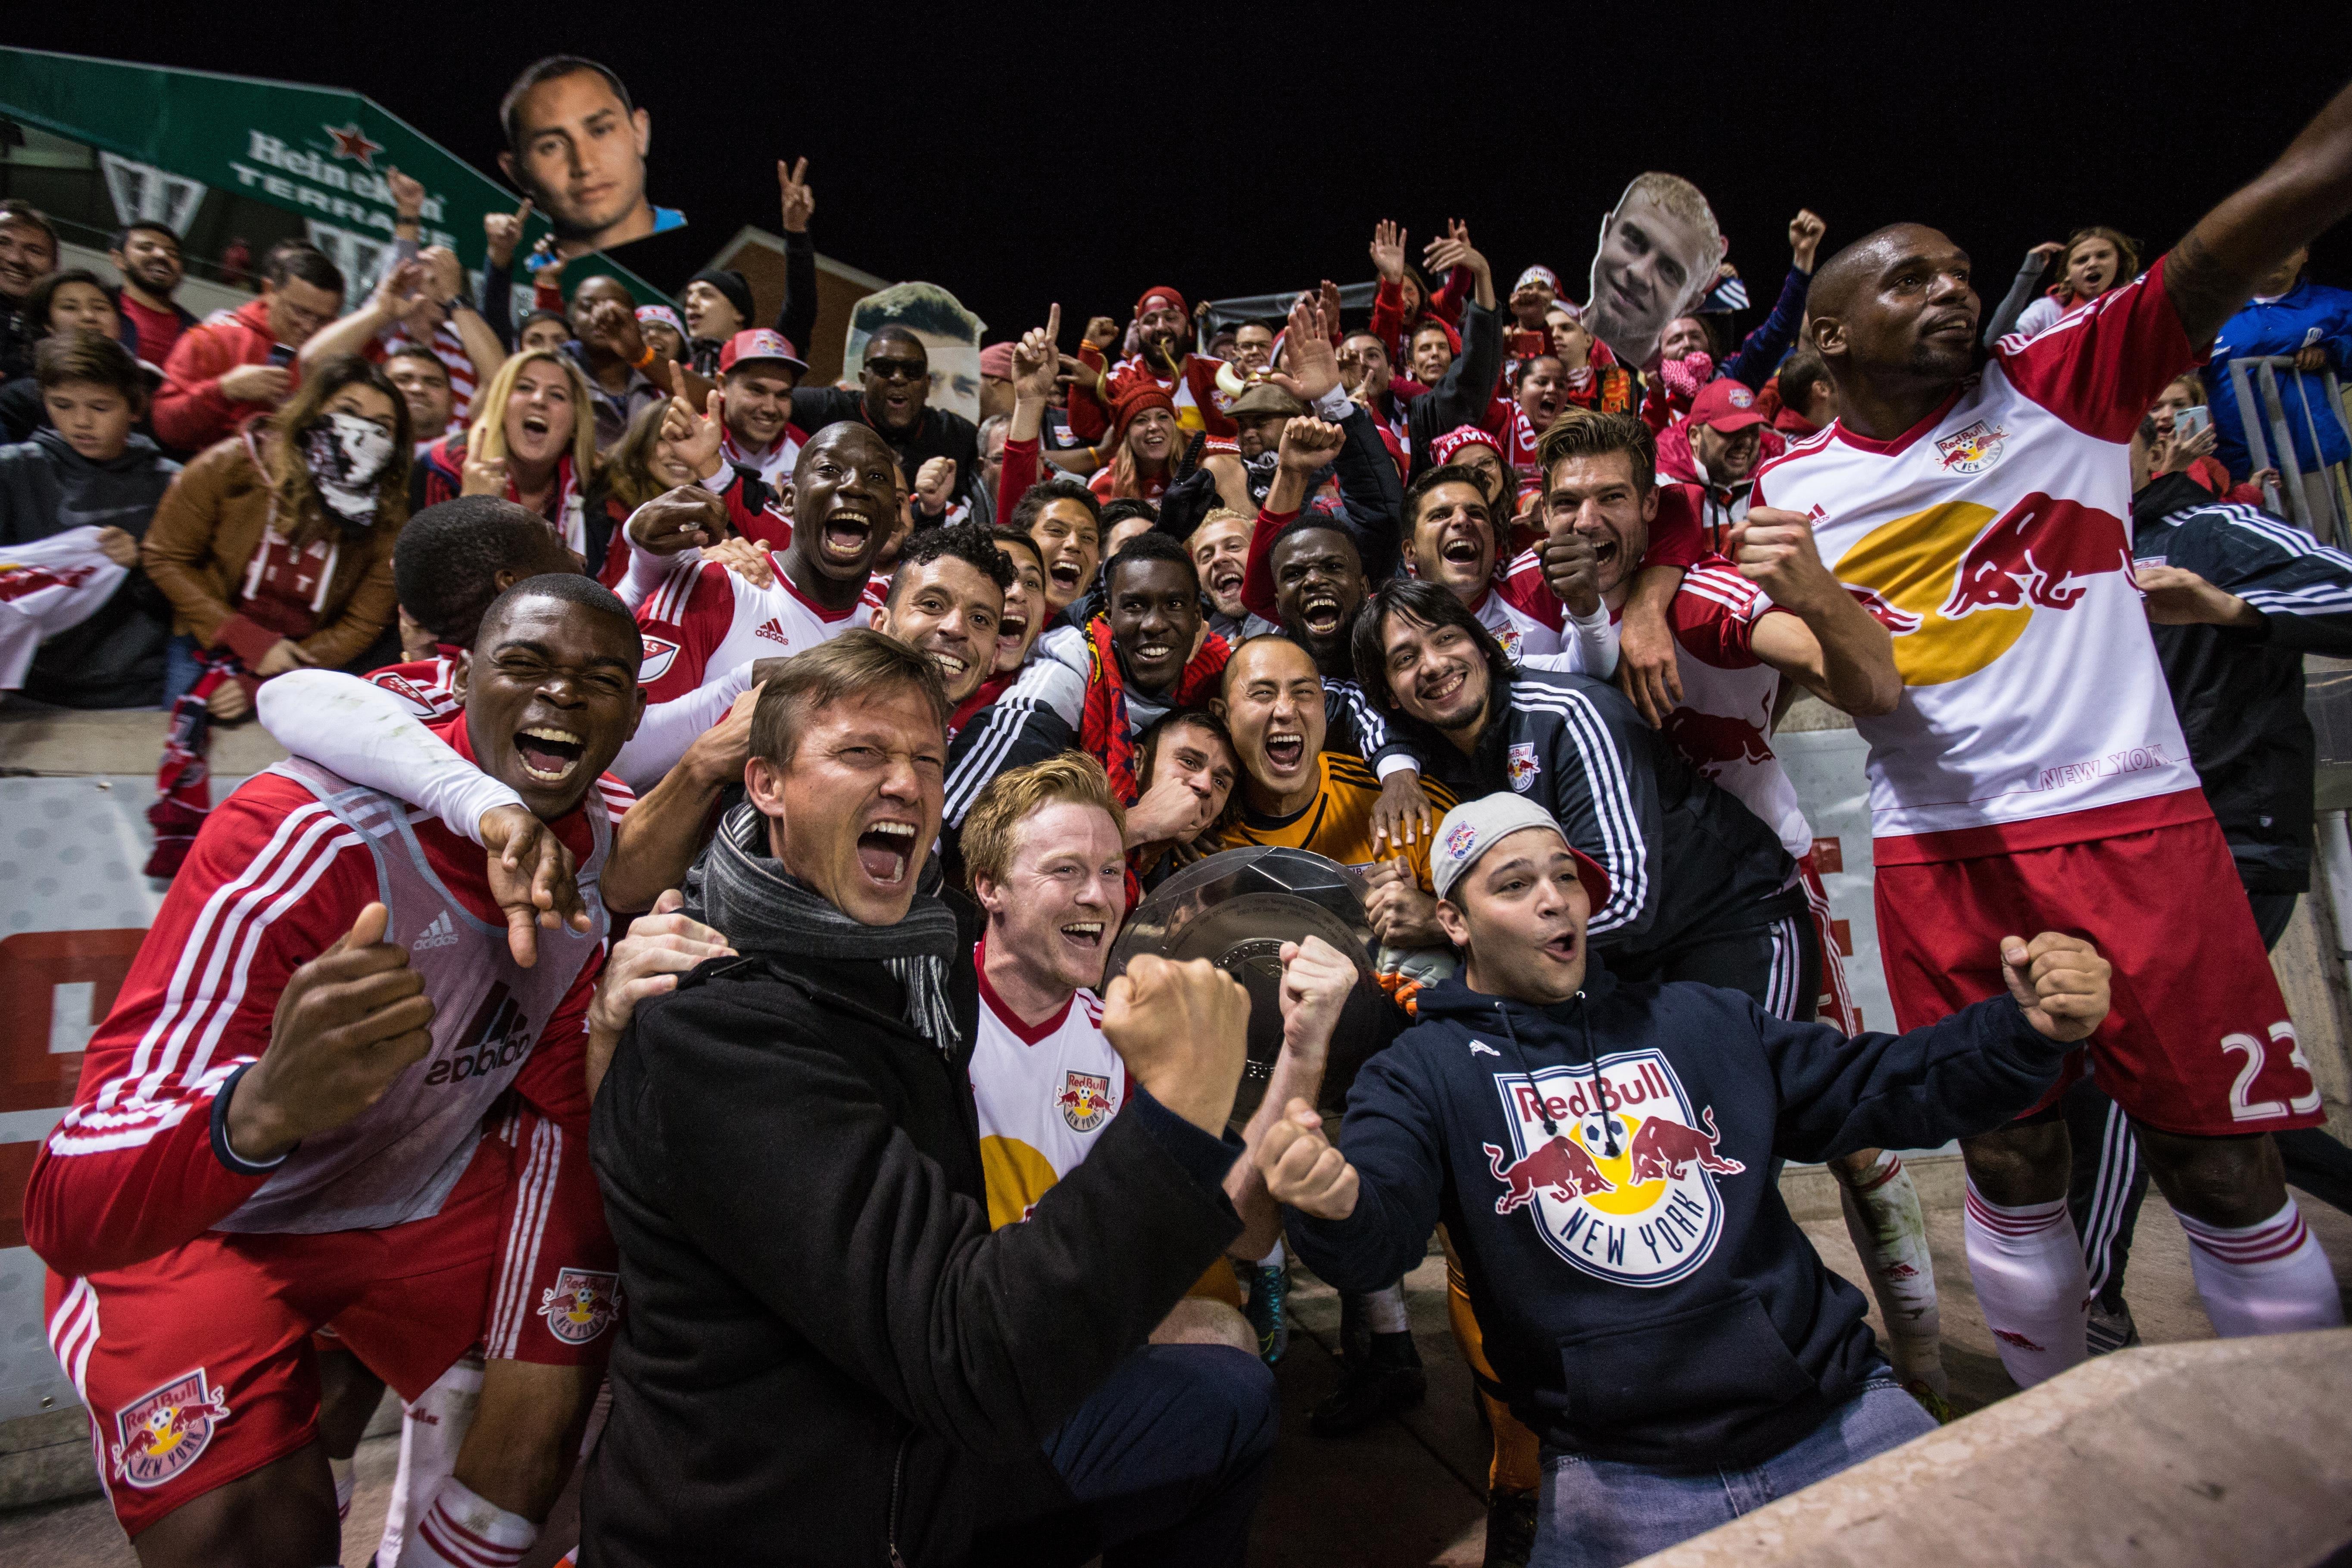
x=1660, y=248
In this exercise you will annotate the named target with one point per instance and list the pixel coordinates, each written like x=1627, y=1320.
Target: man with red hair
x=1163, y=327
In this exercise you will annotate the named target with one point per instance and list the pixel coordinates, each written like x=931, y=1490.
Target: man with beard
x=944, y=602
x=576, y=146
x=147, y=257
x=2025, y=663
x=302, y=1146
x=1163, y=334
x=1259, y=415
x=757, y=372
x=1716, y=450
x=1659, y=251
x=953, y=1384
x=894, y=401
x=700, y=618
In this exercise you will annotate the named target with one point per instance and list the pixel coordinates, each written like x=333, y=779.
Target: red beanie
x=1164, y=295
x=1134, y=401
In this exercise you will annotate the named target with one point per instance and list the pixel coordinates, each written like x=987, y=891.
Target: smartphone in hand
x=2190, y=420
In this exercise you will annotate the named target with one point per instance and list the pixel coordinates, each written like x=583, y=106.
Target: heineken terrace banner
x=319, y=152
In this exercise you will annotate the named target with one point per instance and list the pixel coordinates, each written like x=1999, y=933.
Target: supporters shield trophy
x=1236, y=908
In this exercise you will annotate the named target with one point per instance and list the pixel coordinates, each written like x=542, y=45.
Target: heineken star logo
x=350, y=142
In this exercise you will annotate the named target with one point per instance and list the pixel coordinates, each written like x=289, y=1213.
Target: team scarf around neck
x=1103, y=727
x=742, y=890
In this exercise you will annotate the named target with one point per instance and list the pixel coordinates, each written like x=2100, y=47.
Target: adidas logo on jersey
x=773, y=629
x=440, y=934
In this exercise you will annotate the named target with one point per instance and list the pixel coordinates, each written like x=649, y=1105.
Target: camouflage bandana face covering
x=345, y=455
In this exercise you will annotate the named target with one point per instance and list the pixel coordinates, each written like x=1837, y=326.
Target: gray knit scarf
x=738, y=887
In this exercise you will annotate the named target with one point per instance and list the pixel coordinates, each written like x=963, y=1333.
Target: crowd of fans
x=909, y=1238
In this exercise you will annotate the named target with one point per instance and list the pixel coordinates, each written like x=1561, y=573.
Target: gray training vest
x=398, y=1159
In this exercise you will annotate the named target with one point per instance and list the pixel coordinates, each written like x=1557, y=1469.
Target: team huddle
x=687, y=975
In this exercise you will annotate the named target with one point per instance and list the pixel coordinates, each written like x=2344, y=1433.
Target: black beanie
x=730, y=282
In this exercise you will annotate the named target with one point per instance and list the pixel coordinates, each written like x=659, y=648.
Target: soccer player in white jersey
x=704, y=619
x=1045, y=850
x=2035, y=764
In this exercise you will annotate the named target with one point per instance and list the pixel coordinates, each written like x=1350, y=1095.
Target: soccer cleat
x=1268, y=1309
x=1510, y=1529
x=1387, y=1379
x=1933, y=1403
x=2108, y=1332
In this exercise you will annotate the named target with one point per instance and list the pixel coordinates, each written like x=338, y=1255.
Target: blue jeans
x=1162, y=1465
x=1597, y=1513
x=180, y=666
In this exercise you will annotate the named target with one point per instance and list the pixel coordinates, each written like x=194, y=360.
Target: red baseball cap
x=1723, y=405
x=756, y=343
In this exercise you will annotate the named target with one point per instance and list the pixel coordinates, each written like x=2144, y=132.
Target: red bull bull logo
x=1958, y=585
x=579, y=1304
x=166, y=1429
x=1621, y=1185
x=1710, y=741
x=19, y=579
x=1085, y=1100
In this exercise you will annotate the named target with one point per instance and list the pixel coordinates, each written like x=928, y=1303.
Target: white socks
x=1384, y=1311
x=2028, y=1271
x=1882, y=1216
x=464, y=1531
x=431, y=1430
x=2266, y=1278
x=1273, y=1259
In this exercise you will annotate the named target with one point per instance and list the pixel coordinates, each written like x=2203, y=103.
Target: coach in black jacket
x=827, y=1356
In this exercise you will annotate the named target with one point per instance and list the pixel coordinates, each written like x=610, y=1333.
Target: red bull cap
x=1475, y=826
x=1723, y=405
x=758, y=344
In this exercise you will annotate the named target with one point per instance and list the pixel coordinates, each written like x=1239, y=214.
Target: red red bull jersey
x=704, y=619
x=1994, y=539
x=1043, y=1093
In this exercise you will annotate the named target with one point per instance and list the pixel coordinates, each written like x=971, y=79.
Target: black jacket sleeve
x=860, y=1244
x=796, y=316
x=498, y=300
x=1371, y=491
x=2304, y=589
x=815, y=407
x=1961, y=1075
x=1394, y=1136
x=1462, y=394
x=1604, y=787
x=1005, y=734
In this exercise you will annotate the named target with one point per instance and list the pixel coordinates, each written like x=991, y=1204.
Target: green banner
x=319, y=152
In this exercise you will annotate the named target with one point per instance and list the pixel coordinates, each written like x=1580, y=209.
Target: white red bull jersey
x=1994, y=539
x=1526, y=627
x=1043, y=1092
x=704, y=619
x=428, y=685
x=773, y=466
x=46, y=587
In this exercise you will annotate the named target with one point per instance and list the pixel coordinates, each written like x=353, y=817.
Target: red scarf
x=184, y=781
x=1103, y=728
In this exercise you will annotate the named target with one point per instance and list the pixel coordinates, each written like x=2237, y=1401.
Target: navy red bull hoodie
x=1604, y=1168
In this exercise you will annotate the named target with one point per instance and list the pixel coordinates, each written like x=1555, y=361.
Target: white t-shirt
x=1044, y=1095
x=1994, y=539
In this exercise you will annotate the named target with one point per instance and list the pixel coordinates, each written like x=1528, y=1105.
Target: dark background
x=1019, y=155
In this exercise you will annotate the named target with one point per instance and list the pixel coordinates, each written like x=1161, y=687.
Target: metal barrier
x=2270, y=443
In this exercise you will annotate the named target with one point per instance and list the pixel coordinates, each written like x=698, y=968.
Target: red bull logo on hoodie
x=1622, y=1185
x=1958, y=585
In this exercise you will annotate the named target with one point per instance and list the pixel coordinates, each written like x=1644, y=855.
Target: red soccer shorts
x=197, y=1366
x=2198, y=1041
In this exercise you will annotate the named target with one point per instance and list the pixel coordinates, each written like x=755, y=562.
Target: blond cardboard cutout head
x=1660, y=250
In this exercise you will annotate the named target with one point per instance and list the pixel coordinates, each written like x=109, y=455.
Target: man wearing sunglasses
x=895, y=400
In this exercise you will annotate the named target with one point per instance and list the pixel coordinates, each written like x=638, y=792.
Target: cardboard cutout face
x=577, y=148
x=1660, y=247
x=951, y=336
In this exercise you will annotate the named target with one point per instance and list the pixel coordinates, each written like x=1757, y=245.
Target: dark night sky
x=1020, y=162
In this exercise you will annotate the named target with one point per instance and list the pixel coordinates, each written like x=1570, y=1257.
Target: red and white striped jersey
x=464, y=382
x=274, y=878
x=1525, y=623
x=1994, y=539
x=704, y=619
x=427, y=685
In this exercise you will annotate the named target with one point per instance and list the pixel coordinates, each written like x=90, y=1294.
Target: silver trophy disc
x=1236, y=908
